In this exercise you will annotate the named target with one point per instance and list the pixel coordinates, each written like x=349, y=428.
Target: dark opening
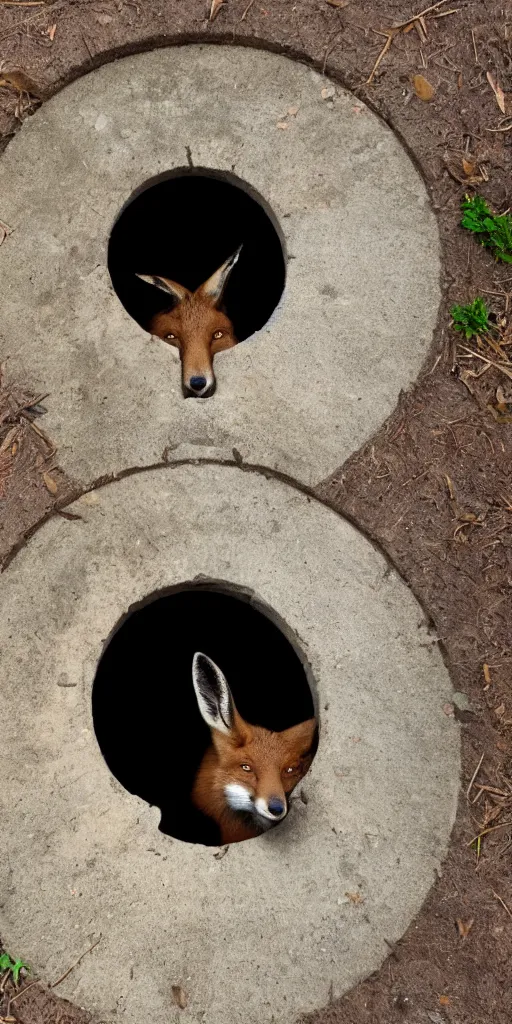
x=145, y=712
x=184, y=226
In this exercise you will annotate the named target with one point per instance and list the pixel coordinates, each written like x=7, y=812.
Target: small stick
x=247, y=9
x=506, y=129
x=422, y=14
x=18, y=994
x=486, y=830
x=509, y=912
x=475, y=773
x=474, y=46
x=390, y=34
x=490, y=362
x=382, y=54
x=492, y=789
x=55, y=983
x=21, y=24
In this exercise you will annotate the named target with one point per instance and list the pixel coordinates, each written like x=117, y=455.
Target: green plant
x=494, y=230
x=471, y=319
x=13, y=966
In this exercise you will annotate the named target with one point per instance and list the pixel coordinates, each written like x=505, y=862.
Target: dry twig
x=477, y=769
x=509, y=912
x=75, y=964
x=403, y=26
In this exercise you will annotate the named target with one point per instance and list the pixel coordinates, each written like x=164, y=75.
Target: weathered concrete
x=265, y=932
x=356, y=319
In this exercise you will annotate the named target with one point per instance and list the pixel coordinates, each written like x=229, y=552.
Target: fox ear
x=214, y=287
x=304, y=736
x=177, y=291
x=213, y=694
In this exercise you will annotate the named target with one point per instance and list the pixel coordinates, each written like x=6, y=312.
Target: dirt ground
x=433, y=487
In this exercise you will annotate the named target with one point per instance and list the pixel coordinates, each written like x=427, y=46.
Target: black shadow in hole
x=184, y=226
x=145, y=713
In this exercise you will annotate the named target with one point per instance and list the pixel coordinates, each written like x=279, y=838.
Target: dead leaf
x=469, y=168
x=104, y=19
x=498, y=92
x=444, y=1000
x=449, y=485
x=5, y=231
x=493, y=814
x=465, y=927
x=20, y=81
x=292, y=111
x=338, y=3
x=355, y=898
x=500, y=711
x=51, y=32
x=503, y=404
x=282, y=125
x=487, y=673
x=215, y=8
x=221, y=853
x=423, y=88
x=328, y=92
x=180, y=996
x=50, y=484
x=500, y=417
x=449, y=710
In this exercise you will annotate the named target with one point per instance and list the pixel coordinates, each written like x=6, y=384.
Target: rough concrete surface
x=268, y=930
x=356, y=319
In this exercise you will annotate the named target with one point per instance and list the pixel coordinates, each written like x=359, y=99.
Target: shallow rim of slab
x=281, y=922
x=355, y=322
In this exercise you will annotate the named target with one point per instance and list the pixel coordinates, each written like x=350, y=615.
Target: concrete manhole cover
x=282, y=921
x=354, y=323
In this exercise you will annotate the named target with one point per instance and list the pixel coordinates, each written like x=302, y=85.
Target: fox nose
x=275, y=806
x=197, y=383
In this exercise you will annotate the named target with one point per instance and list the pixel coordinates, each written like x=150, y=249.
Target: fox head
x=196, y=326
x=253, y=770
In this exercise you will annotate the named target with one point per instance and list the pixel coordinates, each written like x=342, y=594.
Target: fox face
x=248, y=773
x=195, y=326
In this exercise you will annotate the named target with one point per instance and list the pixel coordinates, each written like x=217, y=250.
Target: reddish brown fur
x=194, y=322
x=268, y=753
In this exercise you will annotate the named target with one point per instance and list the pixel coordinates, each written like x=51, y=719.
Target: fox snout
x=198, y=385
x=271, y=809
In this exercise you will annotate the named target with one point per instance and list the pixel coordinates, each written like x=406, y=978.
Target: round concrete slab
x=280, y=922
x=356, y=319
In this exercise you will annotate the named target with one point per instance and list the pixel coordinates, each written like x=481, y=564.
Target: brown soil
x=433, y=487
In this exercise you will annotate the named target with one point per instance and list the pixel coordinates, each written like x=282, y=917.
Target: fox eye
x=290, y=771
x=218, y=334
x=246, y=767
x=170, y=337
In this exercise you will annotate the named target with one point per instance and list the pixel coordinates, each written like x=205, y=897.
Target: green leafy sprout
x=12, y=966
x=472, y=319
x=494, y=231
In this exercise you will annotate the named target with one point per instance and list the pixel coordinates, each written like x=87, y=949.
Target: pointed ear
x=213, y=694
x=177, y=291
x=303, y=737
x=214, y=287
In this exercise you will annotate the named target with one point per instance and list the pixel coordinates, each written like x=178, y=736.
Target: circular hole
x=151, y=731
x=183, y=226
